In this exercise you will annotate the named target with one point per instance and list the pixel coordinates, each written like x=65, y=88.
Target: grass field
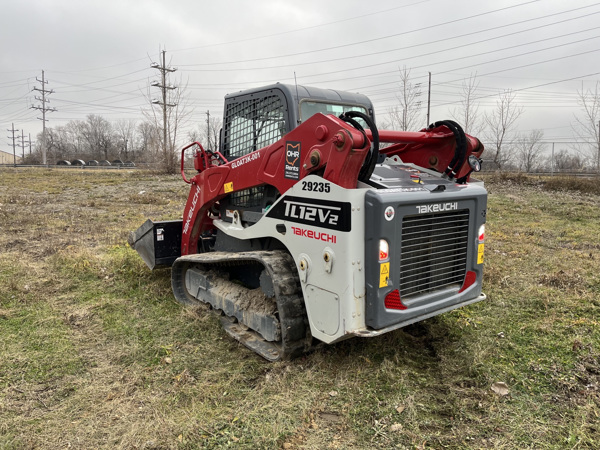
x=94, y=353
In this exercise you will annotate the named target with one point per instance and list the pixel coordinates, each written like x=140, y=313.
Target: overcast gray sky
x=97, y=54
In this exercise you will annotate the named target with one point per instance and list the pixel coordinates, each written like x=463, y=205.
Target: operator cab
x=256, y=118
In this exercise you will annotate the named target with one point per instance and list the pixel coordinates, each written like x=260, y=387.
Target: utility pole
x=13, y=144
x=552, y=161
x=30, y=142
x=164, y=88
x=43, y=108
x=429, y=100
x=208, y=129
x=22, y=145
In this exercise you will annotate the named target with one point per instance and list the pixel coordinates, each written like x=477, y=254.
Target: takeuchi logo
x=437, y=207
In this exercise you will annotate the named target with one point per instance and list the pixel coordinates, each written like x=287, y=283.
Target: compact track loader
x=309, y=224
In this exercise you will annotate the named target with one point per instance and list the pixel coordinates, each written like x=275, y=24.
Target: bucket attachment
x=158, y=243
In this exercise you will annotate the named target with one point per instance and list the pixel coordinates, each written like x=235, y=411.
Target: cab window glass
x=310, y=108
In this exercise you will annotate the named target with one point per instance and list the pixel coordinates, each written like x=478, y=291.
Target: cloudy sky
x=96, y=55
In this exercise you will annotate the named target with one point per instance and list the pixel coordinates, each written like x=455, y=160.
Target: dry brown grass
x=95, y=354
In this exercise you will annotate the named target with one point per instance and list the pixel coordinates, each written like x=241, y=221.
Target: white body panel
x=330, y=262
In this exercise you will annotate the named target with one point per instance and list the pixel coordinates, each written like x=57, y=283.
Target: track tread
x=291, y=312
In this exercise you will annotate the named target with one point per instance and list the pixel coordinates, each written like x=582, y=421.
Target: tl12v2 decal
x=311, y=211
x=292, y=160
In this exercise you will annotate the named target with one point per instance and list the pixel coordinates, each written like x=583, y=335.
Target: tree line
x=95, y=138
x=506, y=148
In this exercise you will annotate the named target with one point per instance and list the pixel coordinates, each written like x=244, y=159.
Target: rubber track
x=291, y=312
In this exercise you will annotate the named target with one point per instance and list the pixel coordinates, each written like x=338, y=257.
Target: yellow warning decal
x=384, y=274
x=480, y=254
x=228, y=187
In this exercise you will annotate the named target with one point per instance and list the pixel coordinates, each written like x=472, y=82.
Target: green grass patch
x=36, y=345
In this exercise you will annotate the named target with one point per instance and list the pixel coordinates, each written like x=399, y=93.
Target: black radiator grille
x=434, y=251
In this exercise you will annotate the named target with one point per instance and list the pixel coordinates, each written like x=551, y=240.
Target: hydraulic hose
x=460, y=151
x=462, y=146
x=367, y=169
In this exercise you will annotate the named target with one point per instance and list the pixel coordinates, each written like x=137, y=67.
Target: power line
x=362, y=16
x=368, y=41
x=419, y=45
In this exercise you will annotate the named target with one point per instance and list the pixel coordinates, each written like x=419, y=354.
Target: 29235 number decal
x=316, y=186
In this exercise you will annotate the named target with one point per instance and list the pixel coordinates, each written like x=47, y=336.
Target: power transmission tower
x=43, y=108
x=13, y=137
x=164, y=88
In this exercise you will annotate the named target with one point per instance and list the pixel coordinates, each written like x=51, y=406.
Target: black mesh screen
x=248, y=198
x=434, y=251
x=253, y=124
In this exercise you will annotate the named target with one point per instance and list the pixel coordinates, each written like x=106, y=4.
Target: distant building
x=8, y=158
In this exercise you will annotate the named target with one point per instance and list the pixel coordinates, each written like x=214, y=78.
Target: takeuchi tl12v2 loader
x=309, y=224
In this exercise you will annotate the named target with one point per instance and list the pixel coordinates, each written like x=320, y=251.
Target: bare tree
x=468, y=113
x=125, y=133
x=587, y=125
x=499, y=124
x=406, y=116
x=96, y=138
x=62, y=142
x=75, y=130
x=567, y=162
x=54, y=145
x=213, y=132
x=98, y=133
x=208, y=133
x=529, y=148
x=148, y=141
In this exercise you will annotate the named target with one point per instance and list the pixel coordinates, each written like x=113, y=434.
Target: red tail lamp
x=392, y=300
x=470, y=279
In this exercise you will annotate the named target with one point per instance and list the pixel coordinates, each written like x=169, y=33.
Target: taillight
x=470, y=279
x=392, y=300
x=384, y=250
x=480, y=245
